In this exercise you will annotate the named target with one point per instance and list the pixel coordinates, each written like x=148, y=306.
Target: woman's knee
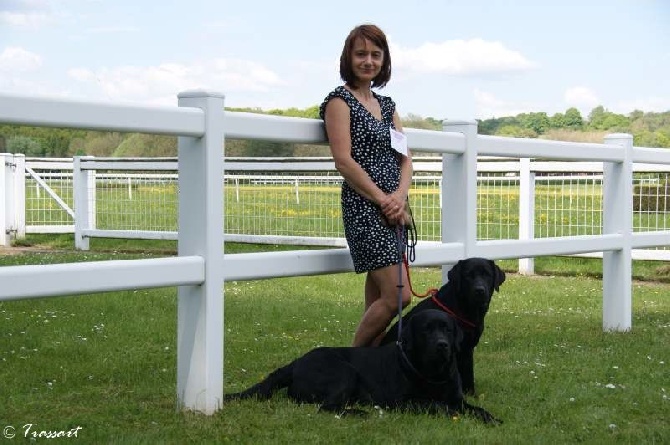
x=391, y=300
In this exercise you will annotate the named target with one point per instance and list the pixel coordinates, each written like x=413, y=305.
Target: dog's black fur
x=467, y=294
x=418, y=373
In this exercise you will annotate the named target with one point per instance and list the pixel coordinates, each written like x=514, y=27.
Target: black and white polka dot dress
x=372, y=244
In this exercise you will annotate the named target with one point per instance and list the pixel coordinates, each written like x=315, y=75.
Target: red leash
x=432, y=291
x=433, y=294
x=460, y=319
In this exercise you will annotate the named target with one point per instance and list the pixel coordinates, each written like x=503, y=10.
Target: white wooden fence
x=201, y=267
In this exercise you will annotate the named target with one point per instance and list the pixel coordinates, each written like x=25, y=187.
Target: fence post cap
x=459, y=122
x=200, y=93
x=619, y=136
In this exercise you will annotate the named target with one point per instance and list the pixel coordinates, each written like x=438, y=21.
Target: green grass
x=107, y=362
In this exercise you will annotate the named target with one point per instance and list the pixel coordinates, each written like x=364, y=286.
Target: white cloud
x=586, y=99
x=488, y=106
x=160, y=84
x=119, y=29
x=581, y=97
x=81, y=74
x=24, y=13
x=650, y=104
x=461, y=57
x=24, y=19
x=16, y=60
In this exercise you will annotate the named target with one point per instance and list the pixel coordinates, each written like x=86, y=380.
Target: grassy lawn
x=107, y=362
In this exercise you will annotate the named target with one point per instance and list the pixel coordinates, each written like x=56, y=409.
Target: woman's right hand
x=395, y=210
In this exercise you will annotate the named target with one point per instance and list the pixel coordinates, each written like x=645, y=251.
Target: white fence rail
x=201, y=267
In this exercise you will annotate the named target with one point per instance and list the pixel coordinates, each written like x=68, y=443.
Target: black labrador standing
x=418, y=373
x=466, y=297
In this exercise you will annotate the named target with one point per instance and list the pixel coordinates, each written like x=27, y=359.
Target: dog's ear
x=498, y=276
x=454, y=276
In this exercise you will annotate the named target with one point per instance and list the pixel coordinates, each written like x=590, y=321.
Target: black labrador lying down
x=418, y=373
x=466, y=297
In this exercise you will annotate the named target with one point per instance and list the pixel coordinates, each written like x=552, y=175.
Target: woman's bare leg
x=381, y=300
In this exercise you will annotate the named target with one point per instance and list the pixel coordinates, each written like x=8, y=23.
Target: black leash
x=406, y=361
x=400, y=231
x=406, y=236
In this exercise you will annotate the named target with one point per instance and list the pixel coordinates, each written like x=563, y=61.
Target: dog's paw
x=487, y=417
x=340, y=412
x=481, y=414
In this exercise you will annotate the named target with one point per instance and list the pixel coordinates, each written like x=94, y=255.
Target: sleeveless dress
x=372, y=243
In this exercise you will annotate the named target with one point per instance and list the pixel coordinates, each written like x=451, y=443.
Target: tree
x=27, y=146
x=416, y=121
x=557, y=120
x=537, y=122
x=601, y=119
x=573, y=119
x=57, y=143
x=97, y=143
x=258, y=148
x=147, y=145
x=493, y=125
x=596, y=116
x=516, y=132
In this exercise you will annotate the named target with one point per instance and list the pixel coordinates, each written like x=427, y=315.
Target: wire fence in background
x=307, y=204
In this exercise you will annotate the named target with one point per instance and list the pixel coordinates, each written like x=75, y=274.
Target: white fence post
x=82, y=203
x=20, y=195
x=200, y=308
x=526, y=212
x=459, y=190
x=6, y=198
x=618, y=219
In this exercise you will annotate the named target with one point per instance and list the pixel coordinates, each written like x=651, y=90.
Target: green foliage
x=538, y=123
x=492, y=126
x=257, y=148
x=573, y=119
x=53, y=142
x=646, y=138
x=308, y=113
x=25, y=145
x=416, y=121
x=601, y=119
x=147, y=145
x=513, y=131
x=97, y=143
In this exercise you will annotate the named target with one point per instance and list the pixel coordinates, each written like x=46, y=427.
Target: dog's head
x=474, y=280
x=431, y=340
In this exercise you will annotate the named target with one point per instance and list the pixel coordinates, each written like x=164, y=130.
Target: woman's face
x=366, y=60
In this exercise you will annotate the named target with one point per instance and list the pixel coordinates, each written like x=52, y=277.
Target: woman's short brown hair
x=377, y=37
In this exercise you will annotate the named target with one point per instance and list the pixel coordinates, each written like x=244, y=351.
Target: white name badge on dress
x=398, y=142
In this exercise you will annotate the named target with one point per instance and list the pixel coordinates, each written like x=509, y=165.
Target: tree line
x=649, y=129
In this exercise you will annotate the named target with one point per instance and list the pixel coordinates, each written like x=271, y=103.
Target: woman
x=359, y=124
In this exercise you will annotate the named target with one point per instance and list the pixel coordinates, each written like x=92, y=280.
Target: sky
x=451, y=59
